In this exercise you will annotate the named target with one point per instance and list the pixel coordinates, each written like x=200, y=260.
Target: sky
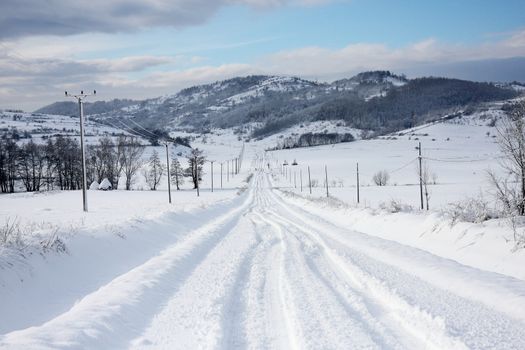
x=141, y=49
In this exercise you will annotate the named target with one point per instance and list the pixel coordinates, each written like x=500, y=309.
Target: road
x=270, y=275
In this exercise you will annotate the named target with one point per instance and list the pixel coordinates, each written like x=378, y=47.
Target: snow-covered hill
x=22, y=126
x=379, y=101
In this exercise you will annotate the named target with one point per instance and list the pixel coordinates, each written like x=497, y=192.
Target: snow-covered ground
x=266, y=265
x=42, y=126
x=258, y=271
x=458, y=153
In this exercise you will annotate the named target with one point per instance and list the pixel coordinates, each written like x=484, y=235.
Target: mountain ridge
x=379, y=101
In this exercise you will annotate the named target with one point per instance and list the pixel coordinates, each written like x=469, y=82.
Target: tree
x=9, y=151
x=381, y=178
x=153, y=173
x=63, y=158
x=131, y=152
x=196, y=161
x=30, y=166
x=177, y=173
x=511, y=140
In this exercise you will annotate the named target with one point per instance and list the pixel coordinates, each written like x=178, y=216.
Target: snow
x=260, y=270
x=266, y=265
x=105, y=185
x=458, y=153
x=43, y=126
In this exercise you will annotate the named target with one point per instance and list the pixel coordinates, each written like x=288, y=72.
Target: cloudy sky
x=139, y=49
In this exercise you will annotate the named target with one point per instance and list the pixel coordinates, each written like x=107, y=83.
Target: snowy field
x=459, y=154
x=259, y=264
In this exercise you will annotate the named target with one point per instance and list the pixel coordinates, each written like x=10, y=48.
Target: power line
x=140, y=126
x=463, y=161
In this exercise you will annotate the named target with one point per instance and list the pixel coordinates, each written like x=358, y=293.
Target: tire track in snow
x=118, y=311
x=318, y=318
x=475, y=325
x=206, y=312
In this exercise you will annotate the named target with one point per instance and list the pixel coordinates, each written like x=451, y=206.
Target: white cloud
x=20, y=18
x=330, y=63
x=32, y=81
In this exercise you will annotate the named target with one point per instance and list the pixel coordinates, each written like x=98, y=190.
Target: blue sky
x=143, y=48
x=240, y=33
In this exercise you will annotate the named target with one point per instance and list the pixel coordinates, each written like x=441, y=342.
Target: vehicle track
x=271, y=275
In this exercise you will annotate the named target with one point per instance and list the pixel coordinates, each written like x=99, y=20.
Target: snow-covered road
x=269, y=274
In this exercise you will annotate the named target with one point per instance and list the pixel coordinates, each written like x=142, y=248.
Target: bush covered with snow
x=474, y=210
x=395, y=206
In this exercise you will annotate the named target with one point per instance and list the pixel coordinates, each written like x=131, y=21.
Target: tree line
x=57, y=164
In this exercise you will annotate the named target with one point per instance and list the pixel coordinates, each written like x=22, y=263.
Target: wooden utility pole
x=357, y=182
x=420, y=176
x=168, y=168
x=301, y=178
x=326, y=180
x=309, y=180
x=80, y=98
x=197, y=176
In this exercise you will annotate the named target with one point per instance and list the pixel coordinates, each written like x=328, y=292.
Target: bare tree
x=8, y=158
x=511, y=140
x=131, y=152
x=195, y=170
x=177, y=173
x=154, y=171
x=31, y=162
x=381, y=178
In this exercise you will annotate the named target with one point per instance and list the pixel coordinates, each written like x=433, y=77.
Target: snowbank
x=487, y=246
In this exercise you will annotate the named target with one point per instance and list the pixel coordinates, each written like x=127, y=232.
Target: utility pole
x=357, y=182
x=326, y=179
x=212, y=175
x=420, y=175
x=301, y=177
x=309, y=180
x=197, y=175
x=80, y=99
x=168, y=168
